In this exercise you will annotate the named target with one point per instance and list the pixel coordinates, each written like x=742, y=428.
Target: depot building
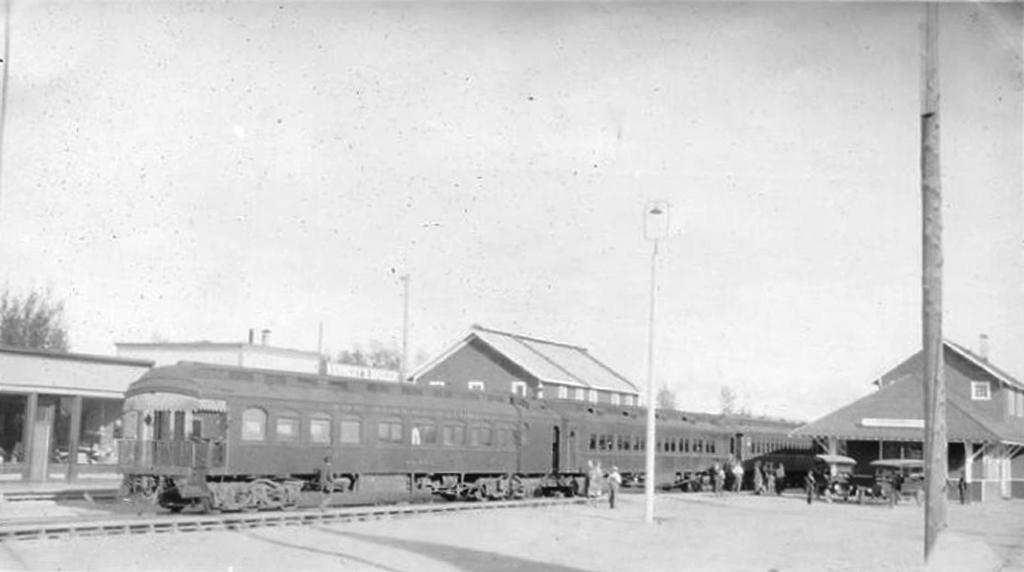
x=984, y=423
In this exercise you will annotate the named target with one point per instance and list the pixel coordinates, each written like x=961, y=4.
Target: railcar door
x=556, y=444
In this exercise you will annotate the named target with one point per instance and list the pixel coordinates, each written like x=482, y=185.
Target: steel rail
x=162, y=524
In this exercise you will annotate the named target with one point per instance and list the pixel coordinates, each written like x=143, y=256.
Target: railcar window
x=480, y=437
x=389, y=431
x=672, y=445
x=593, y=442
x=453, y=435
x=424, y=434
x=698, y=446
x=626, y=442
x=712, y=445
x=351, y=429
x=287, y=428
x=638, y=444
x=254, y=424
x=320, y=430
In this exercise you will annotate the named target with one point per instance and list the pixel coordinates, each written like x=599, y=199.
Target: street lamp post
x=655, y=229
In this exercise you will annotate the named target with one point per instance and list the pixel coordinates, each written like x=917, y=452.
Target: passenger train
x=228, y=438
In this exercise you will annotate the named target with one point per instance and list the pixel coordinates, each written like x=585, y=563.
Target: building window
x=320, y=430
x=351, y=430
x=593, y=396
x=578, y=394
x=563, y=392
x=254, y=425
x=1020, y=404
x=389, y=431
x=436, y=383
x=476, y=386
x=287, y=427
x=519, y=388
x=981, y=391
x=615, y=399
x=629, y=400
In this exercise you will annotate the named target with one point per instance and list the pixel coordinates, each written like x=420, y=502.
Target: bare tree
x=727, y=399
x=378, y=356
x=666, y=398
x=34, y=321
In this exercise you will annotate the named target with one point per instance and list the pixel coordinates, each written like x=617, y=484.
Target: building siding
x=476, y=362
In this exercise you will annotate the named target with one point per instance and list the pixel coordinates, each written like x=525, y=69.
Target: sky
x=186, y=171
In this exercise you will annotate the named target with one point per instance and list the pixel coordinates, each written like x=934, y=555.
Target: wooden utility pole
x=404, y=369
x=935, y=446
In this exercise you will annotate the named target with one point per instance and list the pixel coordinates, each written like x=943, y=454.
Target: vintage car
x=837, y=476
x=908, y=473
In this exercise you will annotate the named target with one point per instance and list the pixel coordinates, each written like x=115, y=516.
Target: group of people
x=596, y=476
x=768, y=478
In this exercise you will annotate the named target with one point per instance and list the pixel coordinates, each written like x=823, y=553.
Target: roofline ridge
x=525, y=337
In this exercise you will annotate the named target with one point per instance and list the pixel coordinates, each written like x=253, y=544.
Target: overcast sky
x=187, y=171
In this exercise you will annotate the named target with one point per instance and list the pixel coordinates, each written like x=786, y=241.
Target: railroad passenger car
x=231, y=438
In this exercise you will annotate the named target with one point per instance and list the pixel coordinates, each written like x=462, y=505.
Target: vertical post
x=935, y=446
x=651, y=404
x=4, y=78
x=655, y=228
x=404, y=370
x=28, y=429
x=74, y=430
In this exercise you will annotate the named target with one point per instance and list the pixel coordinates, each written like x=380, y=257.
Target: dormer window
x=476, y=386
x=981, y=391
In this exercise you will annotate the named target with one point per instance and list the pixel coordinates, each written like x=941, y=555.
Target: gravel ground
x=691, y=532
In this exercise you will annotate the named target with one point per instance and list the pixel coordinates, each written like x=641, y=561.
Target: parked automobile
x=907, y=473
x=837, y=473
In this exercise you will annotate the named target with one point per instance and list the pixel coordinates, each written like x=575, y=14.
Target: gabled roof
x=548, y=361
x=984, y=364
x=895, y=412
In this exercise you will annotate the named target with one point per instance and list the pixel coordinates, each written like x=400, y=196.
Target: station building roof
x=895, y=411
x=547, y=361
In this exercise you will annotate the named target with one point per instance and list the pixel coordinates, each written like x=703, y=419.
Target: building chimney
x=252, y=336
x=983, y=347
x=265, y=337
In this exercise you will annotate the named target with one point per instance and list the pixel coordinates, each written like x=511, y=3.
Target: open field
x=692, y=532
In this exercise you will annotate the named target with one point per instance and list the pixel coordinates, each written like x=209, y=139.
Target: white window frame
x=436, y=383
x=519, y=388
x=563, y=392
x=630, y=401
x=577, y=394
x=475, y=385
x=593, y=396
x=615, y=399
x=1020, y=404
x=981, y=391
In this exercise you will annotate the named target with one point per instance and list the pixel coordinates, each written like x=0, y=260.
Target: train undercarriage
x=214, y=494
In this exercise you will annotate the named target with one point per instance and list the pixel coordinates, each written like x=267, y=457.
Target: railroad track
x=162, y=524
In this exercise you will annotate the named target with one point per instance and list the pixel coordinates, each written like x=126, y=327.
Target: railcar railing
x=150, y=454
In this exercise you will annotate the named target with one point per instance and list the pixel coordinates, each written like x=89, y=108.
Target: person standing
x=614, y=482
x=809, y=486
x=758, y=478
x=961, y=487
x=780, y=478
x=737, y=477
